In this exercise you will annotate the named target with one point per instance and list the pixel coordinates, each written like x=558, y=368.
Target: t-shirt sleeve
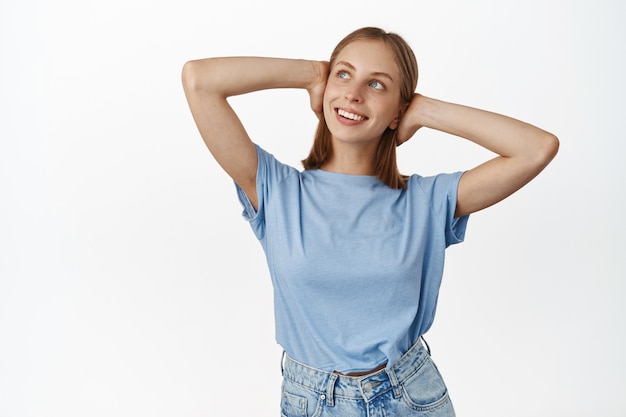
x=442, y=189
x=270, y=172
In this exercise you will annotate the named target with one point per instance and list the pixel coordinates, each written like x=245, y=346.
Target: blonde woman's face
x=362, y=96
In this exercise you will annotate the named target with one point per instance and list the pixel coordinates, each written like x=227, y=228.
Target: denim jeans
x=411, y=387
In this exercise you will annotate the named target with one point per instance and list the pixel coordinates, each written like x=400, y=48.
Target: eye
x=343, y=74
x=376, y=85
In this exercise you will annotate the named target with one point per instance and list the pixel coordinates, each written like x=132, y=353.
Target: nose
x=353, y=93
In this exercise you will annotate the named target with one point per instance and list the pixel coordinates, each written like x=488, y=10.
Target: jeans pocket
x=292, y=405
x=297, y=401
x=425, y=390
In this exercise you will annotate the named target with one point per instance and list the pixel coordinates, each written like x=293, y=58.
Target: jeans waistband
x=331, y=384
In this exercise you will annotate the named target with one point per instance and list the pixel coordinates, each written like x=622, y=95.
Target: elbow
x=190, y=76
x=546, y=150
x=202, y=77
x=550, y=147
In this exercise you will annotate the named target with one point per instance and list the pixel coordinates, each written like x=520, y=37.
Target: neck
x=351, y=159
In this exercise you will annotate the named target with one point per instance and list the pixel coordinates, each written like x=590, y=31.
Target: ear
x=396, y=120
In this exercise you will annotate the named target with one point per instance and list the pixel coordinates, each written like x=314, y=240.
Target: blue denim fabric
x=411, y=387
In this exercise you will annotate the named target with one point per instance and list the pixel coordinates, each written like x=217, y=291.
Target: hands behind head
x=409, y=123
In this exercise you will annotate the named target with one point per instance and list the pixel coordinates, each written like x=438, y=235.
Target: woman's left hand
x=409, y=123
x=523, y=150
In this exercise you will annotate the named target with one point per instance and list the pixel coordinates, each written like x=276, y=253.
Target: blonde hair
x=385, y=166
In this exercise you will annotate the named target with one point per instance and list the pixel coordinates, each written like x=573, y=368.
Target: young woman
x=355, y=249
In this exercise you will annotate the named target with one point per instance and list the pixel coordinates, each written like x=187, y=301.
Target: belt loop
x=330, y=390
x=395, y=385
x=425, y=343
x=282, y=363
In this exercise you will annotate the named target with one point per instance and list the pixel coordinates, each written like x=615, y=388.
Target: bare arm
x=209, y=82
x=524, y=150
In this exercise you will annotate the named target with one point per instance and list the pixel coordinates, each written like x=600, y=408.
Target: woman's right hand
x=317, y=88
x=209, y=82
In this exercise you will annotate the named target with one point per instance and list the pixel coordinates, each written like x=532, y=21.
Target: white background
x=130, y=285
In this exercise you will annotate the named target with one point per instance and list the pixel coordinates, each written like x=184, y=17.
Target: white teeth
x=350, y=116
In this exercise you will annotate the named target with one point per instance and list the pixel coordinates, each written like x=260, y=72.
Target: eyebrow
x=376, y=73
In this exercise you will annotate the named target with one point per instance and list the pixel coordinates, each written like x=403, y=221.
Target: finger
x=400, y=140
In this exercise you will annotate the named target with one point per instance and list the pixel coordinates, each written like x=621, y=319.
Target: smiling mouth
x=351, y=116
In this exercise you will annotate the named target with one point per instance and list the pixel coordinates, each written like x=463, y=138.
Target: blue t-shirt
x=356, y=266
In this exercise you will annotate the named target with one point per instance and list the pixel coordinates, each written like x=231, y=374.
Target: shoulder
x=442, y=181
x=272, y=171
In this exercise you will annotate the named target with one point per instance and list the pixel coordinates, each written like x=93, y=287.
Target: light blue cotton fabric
x=356, y=266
